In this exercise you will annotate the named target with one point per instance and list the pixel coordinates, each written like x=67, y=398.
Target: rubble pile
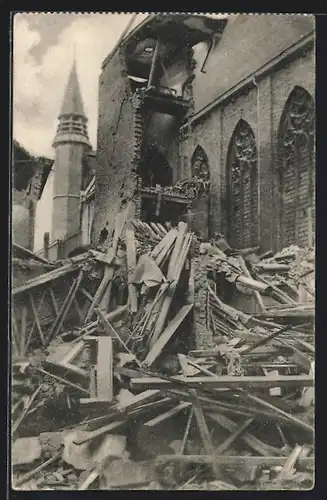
x=128, y=395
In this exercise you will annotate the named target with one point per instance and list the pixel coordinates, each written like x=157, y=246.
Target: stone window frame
x=296, y=131
x=242, y=169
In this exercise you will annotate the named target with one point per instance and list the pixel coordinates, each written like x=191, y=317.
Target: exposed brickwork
x=115, y=179
x=262, y=108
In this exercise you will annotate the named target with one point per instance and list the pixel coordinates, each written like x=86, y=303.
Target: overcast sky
x=43, y=48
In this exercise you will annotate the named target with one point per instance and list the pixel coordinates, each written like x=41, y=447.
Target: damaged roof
x=23, y=167
x=187, y=29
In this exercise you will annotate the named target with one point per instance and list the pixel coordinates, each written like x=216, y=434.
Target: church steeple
x=71, y=143
x=72, y=120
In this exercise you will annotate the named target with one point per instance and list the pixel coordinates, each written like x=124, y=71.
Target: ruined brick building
x=209, y=120
x=230, y=101
x=29, y=176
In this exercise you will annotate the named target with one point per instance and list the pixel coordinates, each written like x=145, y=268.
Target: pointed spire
x=72, y=120
x=72, y=103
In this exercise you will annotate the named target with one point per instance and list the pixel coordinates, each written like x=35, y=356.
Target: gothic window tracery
x=200, y=164
x=296, y=170
x=242, y=178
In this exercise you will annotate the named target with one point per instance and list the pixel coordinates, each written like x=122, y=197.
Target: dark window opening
x=154, y=168
x=168, y=211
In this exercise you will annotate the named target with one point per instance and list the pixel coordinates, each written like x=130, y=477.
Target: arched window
x=242, y=176
x=296, y=170
x=200, y=164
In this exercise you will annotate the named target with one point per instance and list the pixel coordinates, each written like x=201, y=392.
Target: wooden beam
x=121, y=410
x=154, y=63
x=249, y=439
x=105, y=369
x=131, y=264
x=22, y=340
x=166, y=335
x=65, y=308
x=36, y=318
x=176, y=265
x=60, y=379
x=204, y=431
x=235, y=435
x=296, y=421
x=227, y=381
x=59, y=272
x=168, y=414
x=187, y=430
x=54, y=301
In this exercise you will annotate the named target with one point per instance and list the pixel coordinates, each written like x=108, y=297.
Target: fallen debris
x=140, y=339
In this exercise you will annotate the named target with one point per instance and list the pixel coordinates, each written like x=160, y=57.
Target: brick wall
x=115, y=181
x=261, y=107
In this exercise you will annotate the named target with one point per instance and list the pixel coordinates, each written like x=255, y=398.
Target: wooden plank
x=235, y=435
x=68, y=368
x=296, y=421
x=227, y=381
x=255, y=292
x=65, y=308
x=168, y=414
x=22, y=340
x=34, y=322
x=187, y=431
x=176, y=265
x=60, y=379
x=231, y=460
x=36, y=318
x=265, y=340
x=163, y=244
x=290, y=462
x=105, y=369
x=204, y=431
x=157, y=348
x=52, y=275
x=93, y=383
x=131, y=264
x=24, y=412
x=120, y=411
x=54, y=301
x=249, y=439
x=73, y=353
x=78, y=310
x=29, y=475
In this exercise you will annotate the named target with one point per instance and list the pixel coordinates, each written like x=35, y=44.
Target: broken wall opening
x=168, y=211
